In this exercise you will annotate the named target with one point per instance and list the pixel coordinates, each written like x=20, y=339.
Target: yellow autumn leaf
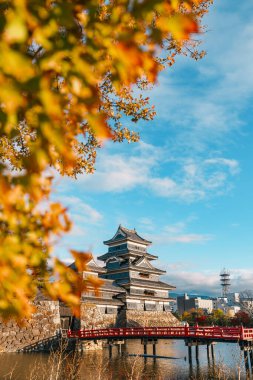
x=68, y=74
x=15, y=30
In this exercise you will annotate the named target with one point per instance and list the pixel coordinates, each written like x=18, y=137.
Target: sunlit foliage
x=68, y=69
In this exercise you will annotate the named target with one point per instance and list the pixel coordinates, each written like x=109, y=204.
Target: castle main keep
x=130, y=266
x=132, y=293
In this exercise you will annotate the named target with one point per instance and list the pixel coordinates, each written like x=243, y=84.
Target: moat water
x=228, y=364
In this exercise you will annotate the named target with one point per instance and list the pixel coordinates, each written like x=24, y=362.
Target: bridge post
x=190, y=354
x=110, y=345
x=145, y=341
x=154, y=349
x=197, y=351
x=208, y=354
x=246, y=361
x=110, y=350
x=212, y=352
x=241, y=332
x=186, y=329
x=251, y=356
x=119, y=344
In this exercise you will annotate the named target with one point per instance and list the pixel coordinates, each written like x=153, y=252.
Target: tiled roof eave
x=107, y=288
x=102, y=301
x=126, y=253
x=127, y=238
x=150, y=284
x=146, y=297
x=147, y=270
x=136, y=269
x=153, y=270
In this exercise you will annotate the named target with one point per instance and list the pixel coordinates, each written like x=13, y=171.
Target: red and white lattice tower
x=225, y=282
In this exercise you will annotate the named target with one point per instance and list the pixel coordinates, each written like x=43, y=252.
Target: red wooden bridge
x=213, y=333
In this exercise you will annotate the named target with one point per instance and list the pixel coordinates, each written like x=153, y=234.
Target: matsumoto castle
x=131, y=281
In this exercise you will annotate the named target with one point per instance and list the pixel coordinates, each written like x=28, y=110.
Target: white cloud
x=165, y=187
x=80, y=211
x=204, y=110
x=175, y=228
x=189, y=238
x=146, y=223
x=121, y=172
x=207, y=282
x=190, y=179
x=232, y=165
x=177, y=233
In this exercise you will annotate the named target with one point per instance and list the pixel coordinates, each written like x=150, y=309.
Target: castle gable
x=119, y=237
x=143, y=263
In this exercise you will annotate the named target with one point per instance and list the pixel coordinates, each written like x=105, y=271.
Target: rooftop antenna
x=225, y=282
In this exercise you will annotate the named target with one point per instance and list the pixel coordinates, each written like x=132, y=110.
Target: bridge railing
x=215, y=332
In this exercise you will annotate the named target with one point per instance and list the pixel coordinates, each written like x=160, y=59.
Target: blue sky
x=188, y=184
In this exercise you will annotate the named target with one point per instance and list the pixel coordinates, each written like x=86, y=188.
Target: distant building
x=232, y=310
x=186, y=303
x=173, y=306
x=247, y=304
x=230, y=305
x=233, y=298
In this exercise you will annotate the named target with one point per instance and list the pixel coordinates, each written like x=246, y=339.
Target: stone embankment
x=138, y=318
x=93, y=318
x=42, y=331
x=44, y=325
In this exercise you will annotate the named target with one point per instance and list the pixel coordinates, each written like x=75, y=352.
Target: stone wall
x=93, y=318
x=39, y=331
x=138, y=318
x=44, y=324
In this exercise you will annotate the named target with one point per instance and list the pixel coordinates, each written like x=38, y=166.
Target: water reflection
x=226, y=362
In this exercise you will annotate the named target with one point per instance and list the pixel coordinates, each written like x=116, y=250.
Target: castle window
x=149, y=292
x=117, y=248
x=144, y=275
x=111, y=310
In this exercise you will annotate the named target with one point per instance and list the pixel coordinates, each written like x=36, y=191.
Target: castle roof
x=124, y=234
x=102, y=301
x=111, y=286
x=127, y=253
x=142, y=264
x=92, y=266
x=146, y=283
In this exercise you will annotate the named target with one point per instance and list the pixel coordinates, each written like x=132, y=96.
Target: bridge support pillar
x=146, y=341
x=197, y=352
x=110, y=350
x=208, y=354
x=119, y=344
x=212, y=352
x=115, y=342
x=251, y=357
x=246, y=362
x=190, y=355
